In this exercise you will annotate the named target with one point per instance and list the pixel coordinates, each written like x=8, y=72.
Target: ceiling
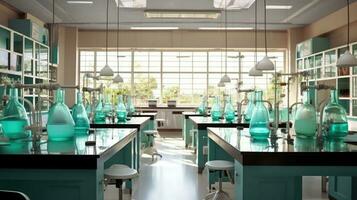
x=93, y=16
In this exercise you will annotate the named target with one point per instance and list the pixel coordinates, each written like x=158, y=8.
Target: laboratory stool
x=13, y=195
x=152, y=150
x=120, y=174
x=220, y=166
x=193, y=134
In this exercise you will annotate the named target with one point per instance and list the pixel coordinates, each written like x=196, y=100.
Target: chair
x=220, y=166
x=13, y=195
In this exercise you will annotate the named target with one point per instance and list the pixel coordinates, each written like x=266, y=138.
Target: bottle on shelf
x=99, y=114
x=121, y=110
x=60, y=124
x=229, y=112
x=259, y=123
x=80, y=116
x=14, y=119
x=216, y=110
x=305, y=123
x=250, y=107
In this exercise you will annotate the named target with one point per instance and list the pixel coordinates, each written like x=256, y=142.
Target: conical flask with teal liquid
x=248, y=112
x=216, y=110
x=202, y=107
x=80, y=116
x=130, y=108
x=99, y=114
x=14, y=120
x=60, y=124
x=334, y=118
x=259, y=123
x=229, y=112
x=305, y=123
x=121, y=110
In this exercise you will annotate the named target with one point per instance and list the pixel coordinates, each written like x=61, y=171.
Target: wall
x=6, y=13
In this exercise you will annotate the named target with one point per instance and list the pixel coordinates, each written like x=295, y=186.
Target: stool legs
x=119, y=185
x=219, y=194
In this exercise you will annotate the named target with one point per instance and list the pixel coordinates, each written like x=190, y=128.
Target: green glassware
x=14, y=120
x=229, y=114
x=305, y=123
x=334, y=118
x=202, y=107
x=60, y=124
x=80, y=116
x=216, y=110
x=130, y=108
x=248, y=112
x=107, y=108
x=121, y=110
x=259, y=123
x=99, y=115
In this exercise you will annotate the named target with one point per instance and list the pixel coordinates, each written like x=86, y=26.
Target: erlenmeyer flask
x=107, y=108
x=60, y=125
x=229, y=114
x=130, y=106
x=305, y=124
x=99, y=115
x=121, y=110
x=259, y=123
x=216, y=110
x=80, y=116
x=202, y=107
x=334, y=118
x=14, y=118
x=248, y=112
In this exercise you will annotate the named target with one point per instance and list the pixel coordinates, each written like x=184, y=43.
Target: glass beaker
x=216, y=110
x=107, y=108
x=99, y=115
x=130, y=106
x=305, y=123
x=60, y=124
x=334, y=118
x=248, y=112
x=14, y=119
x=229, y=114
x=80, y=116
x=202, y=107
x=121, y=110
x=259, y=123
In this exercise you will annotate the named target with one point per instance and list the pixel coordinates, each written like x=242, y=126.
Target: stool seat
x=160, y=120
x=219, y=165
x=151, y=132
x=116, y=166
x=121, y=173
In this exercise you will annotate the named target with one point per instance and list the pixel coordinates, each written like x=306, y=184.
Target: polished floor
x=175, y=177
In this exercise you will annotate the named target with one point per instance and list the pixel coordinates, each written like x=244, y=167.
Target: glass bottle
x=216, y=110
x=121, y=110
x=305, y=123
x=14, y=119
x=80, y=116
x=202, y=107
x=259, y=123
x=60, y=124
x=107, y=108
x=250, y=107
x=229, y=114
x=99, y=115
x=130, y=106
x=334, y=118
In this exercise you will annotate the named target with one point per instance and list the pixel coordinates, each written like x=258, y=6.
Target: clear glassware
x=99, y=115
x=15, y=119
x=130, y=108
x=80, y=116
x=108, y=107
x=121, y=110
x=216, y=110
x=60, y=124
x=305, y=123
x=202, y=107
x=259, y=123
x=229, y=112
x=334, y=118
x=248, y=112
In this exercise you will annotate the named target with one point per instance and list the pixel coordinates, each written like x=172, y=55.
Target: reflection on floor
x=175, y=176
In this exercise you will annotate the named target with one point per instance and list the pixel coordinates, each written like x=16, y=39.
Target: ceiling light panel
x=183, y=14
x=80, y=2
x=131, y=3
x=278, y=7
x=153, y=28
x=223, y=28
x=233, y=4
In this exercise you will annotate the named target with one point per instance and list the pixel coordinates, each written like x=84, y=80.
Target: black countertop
x=134, y=122
x=307, y=152
x=152, y=115
x=71, y=154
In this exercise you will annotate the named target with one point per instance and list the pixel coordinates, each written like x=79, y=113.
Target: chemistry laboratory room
x=178, y=99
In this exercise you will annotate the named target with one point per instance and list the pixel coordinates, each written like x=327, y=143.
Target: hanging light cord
x=118, y=39
x=256, y=33
x=106, y=35
x=226, y=34
x=348, y=23
x=265, y=28
x=52, y=29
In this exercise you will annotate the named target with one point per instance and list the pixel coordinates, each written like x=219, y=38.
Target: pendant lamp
x=225, y=78
x=106, y=71
x=118, y=78
x=347, y=59
x=253, y=71
x=221, y=84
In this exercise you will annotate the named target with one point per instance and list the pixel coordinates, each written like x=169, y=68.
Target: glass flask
x=99, y=114
x=107, y=108
x=130, y=108
x=250, y=107
x=80, y=116
x=216, y=110
x=259, y=123
x=334, y=118
x=14, y=119
x=202, y=107
x=305, y=123
x=60, y=124
x=121, y=110
x=229, y=114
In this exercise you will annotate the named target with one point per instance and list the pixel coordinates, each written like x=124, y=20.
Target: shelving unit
x=27, y=60
x=322, y=67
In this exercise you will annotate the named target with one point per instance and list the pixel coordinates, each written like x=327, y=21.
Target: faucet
x=243, y=101
x=292, y=106
x=270, y=106
x=321, y=127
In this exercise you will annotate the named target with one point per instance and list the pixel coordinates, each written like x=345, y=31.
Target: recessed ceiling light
x=279, y=7
x=233, y=4
x=153, y=28
x=80, y=2
x=131, y=3
x=188, y=14
x=223, y=28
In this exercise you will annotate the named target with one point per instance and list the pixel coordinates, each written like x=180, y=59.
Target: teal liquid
x=60, y=132
x=99, y=117
x=259, y=131
x=15, y=128
x=229, y=117
x=216, y=115
x=304, y=128
x=338, y=130
x=121, y=116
